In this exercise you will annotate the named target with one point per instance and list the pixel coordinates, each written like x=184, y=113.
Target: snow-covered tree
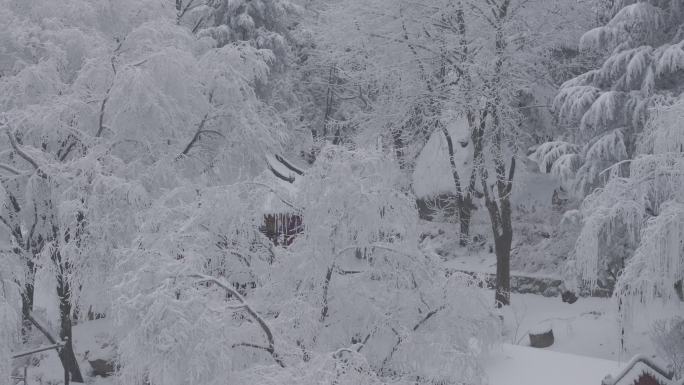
x=405, y=60
x=605, y=111
x=605, y=108
x=368, y=284
x=105, y=107
x=642, y=212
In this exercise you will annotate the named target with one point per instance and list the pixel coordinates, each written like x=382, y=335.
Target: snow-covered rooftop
x=286, y=190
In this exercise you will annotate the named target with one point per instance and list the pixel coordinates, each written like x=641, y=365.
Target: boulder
x=101, y=355
x=102, y=367
x=569, y=297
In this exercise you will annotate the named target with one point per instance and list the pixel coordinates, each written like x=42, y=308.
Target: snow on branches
x=642, y=215
x=643, y=64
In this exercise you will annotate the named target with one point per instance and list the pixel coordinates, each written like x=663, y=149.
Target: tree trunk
x=26, y=309
x=463, y=201
x=464, y=216
x=502, y=245
x=66, y=354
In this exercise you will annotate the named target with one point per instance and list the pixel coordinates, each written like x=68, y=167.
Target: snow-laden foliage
x=265, y=22
x=633, y=228
x=641, y=22
x=550, y=152
x=642, y=46
x=354, y=279
x=366, y=282
x=108, y=112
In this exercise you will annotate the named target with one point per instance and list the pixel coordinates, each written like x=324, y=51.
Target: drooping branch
x=289, y=179
x=253, y=313
x=103, y=105
x=429, y=315
x=289, y=165
x=195, y=137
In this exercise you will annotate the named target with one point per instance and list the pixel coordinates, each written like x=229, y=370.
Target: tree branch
x=18, y=150
x=289, y=165
x=43, y=330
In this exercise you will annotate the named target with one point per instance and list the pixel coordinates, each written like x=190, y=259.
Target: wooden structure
x=642, y=370
x=282, y=223
x=281, y=229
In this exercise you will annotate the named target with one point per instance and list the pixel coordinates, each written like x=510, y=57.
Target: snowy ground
x=587, y=343
x=589, y=327
x=514, y=365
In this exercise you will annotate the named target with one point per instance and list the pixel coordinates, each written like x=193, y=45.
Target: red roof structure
x=642, y=370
